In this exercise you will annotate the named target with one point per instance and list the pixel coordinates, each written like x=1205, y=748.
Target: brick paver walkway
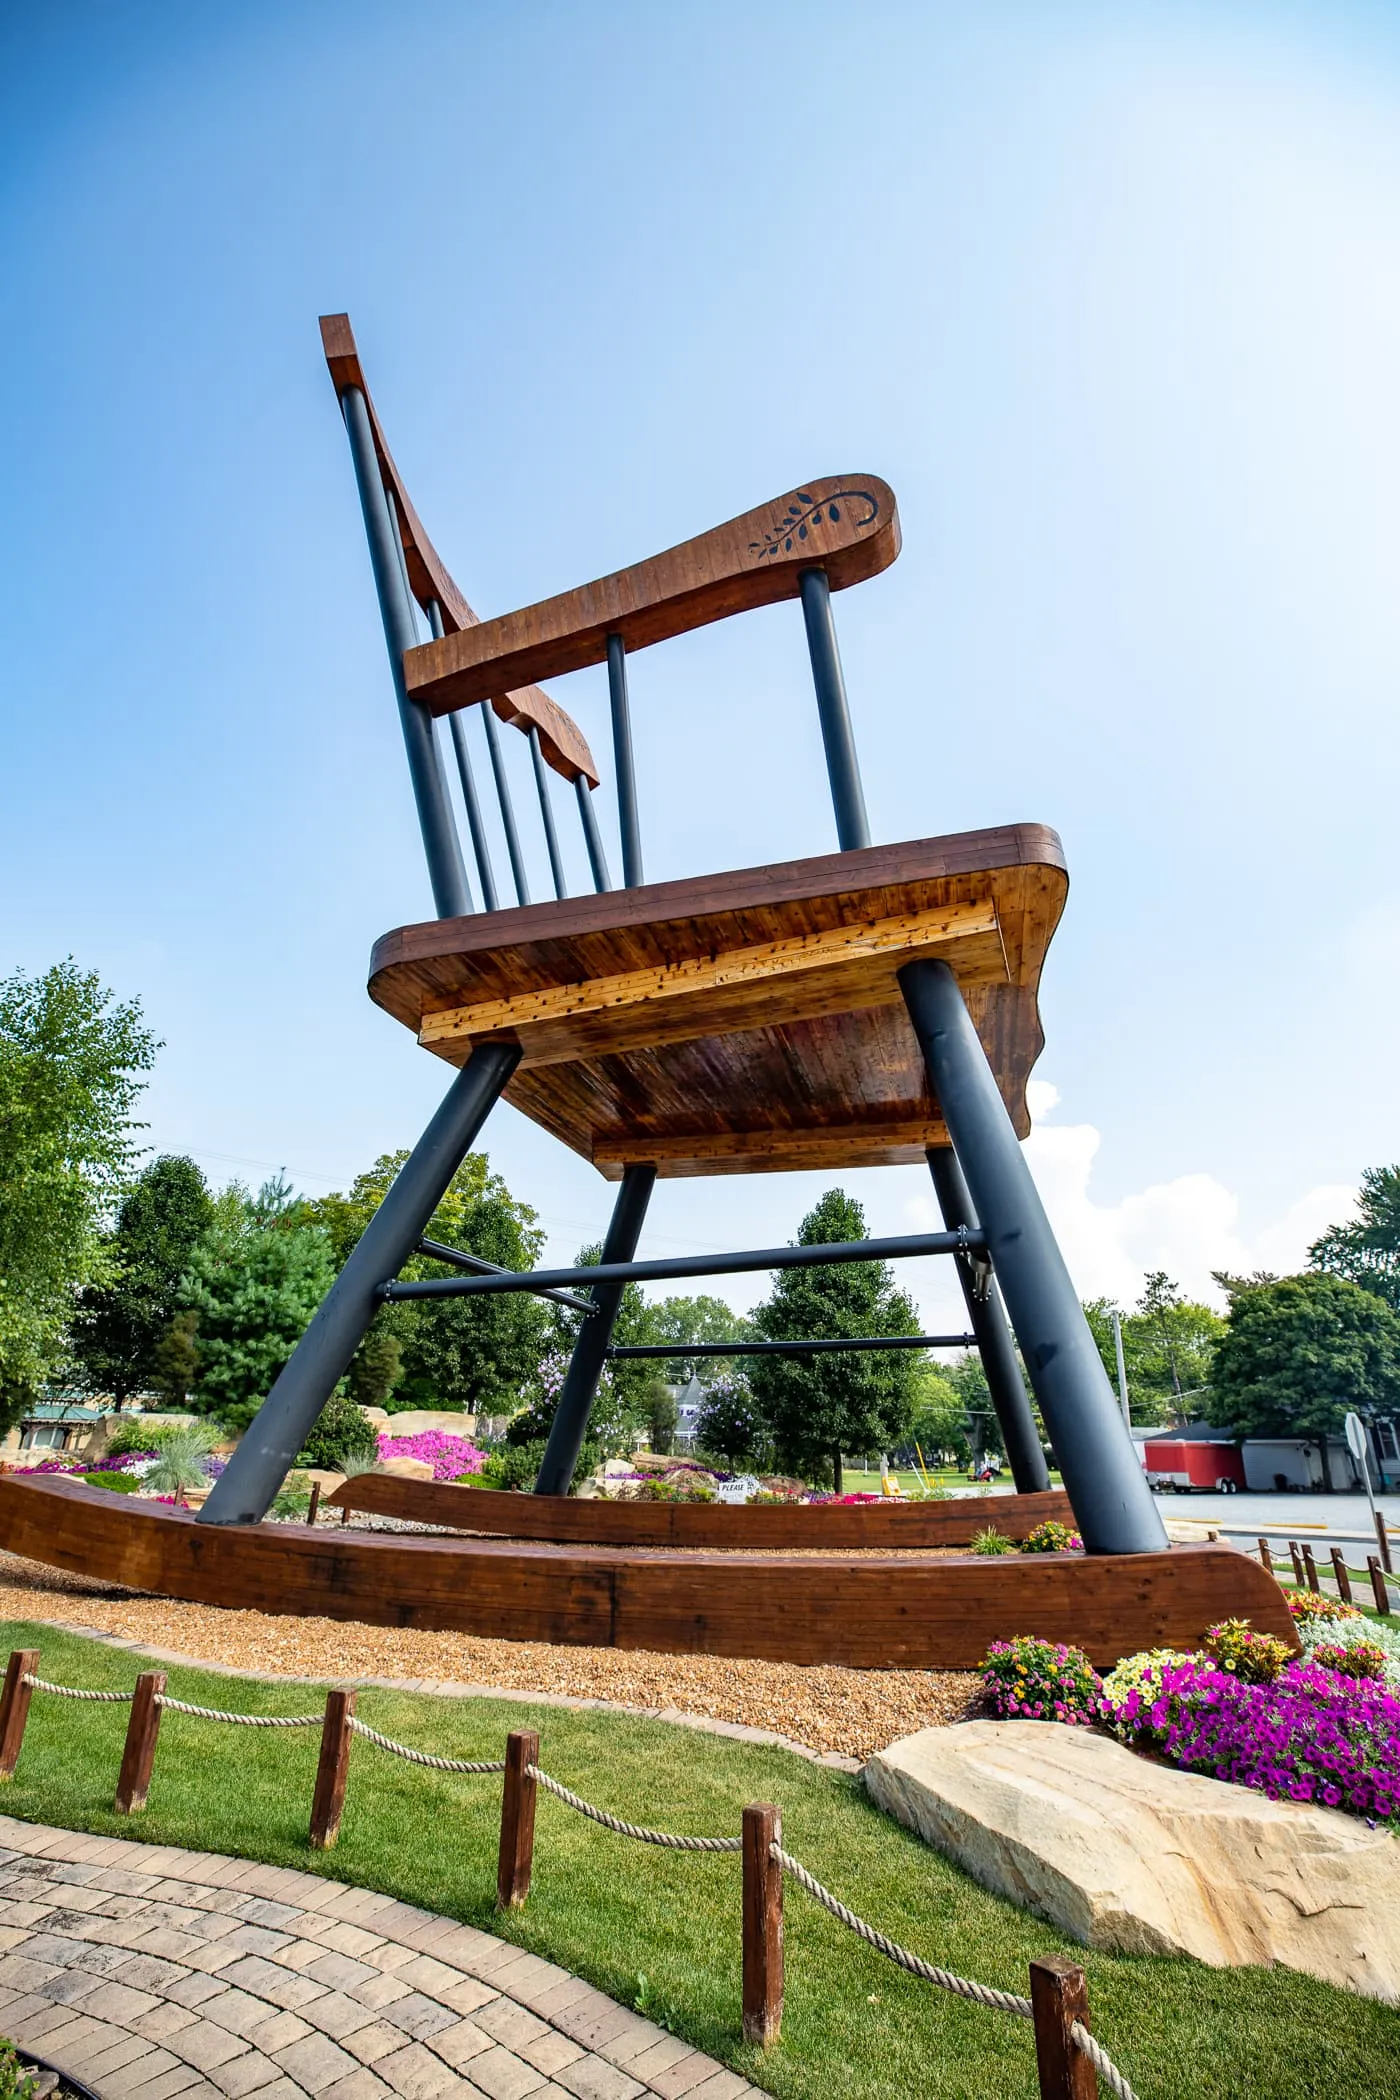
x=150, y=1972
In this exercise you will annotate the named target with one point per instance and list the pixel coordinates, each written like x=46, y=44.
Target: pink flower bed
x=451, y=1457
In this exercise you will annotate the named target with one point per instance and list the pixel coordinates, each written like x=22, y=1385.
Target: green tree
x=175, y=1362
x=729, y=1424
x=254, y=1281
x=1297, y=1355
x=71, y=1061
x=629, y=1392
x=699, y=1319
x=819, y=1406
x=1367, y=1250
x=938, y=1422
x=1168, y=1348
x=473, y=1353
x=121, y=1324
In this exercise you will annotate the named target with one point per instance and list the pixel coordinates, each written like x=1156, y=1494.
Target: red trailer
x=1179, y=1463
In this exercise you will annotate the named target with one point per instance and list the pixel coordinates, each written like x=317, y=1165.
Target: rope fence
x=1070, y=2061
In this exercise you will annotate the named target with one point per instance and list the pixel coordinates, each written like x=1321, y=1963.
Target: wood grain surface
x=562, y=742
x=844, y=524
x=898, y=1612
x=779, y=1040
x=574, y=1520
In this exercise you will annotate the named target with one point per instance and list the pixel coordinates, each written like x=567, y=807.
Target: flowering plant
x=1234, y=1646
x=1310, y=1736
x=1360, y=1659
x=1342, y=1635
x=1137, y=1684
x=451, y=1457
x=1031, y=1680
x=1051, y=1537
x=1307, y=1605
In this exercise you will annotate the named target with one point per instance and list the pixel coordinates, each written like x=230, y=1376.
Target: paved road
x=157, y=1974
x=1331, y=1512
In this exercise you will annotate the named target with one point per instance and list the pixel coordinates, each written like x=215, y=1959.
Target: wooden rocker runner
x=871, y=1006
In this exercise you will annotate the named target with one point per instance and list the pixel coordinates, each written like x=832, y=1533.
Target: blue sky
x=1108, y=294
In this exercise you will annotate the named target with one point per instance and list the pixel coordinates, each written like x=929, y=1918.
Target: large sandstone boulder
x=406, y=1468
x=1132, y=1856
x=412, y=1421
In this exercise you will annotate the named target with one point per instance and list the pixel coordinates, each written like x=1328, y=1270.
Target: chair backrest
x=824, y=536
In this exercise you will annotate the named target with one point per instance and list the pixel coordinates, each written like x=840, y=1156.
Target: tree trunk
x=836, y=1468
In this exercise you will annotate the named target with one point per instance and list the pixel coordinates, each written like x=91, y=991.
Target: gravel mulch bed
x=851, y=1713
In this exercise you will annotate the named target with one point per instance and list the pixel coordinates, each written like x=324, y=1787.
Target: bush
x=1362, y=1659
x=1051, y=1537
x=119, y=1483
x=1255, y=1658
x=1305, y=1606
x=992, y=1542
x=15, y=2082
x=341, y=1431
x=515, y=1465
x=1031, y=1680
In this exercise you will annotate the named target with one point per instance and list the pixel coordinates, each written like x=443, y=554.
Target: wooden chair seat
x=749, y=1021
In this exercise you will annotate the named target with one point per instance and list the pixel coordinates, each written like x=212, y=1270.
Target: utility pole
x=1117, y=1320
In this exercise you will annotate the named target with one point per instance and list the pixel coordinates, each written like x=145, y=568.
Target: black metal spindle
x=627, y=819
x=446, y=870
x=457, y=723
x=498, y=769
x=842, y=765
x=592, y=836
x=551, y=836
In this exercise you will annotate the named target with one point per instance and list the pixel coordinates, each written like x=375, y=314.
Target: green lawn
x=615, y=1911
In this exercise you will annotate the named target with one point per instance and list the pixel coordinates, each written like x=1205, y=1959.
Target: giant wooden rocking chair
x=869, y=1006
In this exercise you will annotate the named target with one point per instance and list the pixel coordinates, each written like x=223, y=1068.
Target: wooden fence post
x=1265, y=1556
x=1059, y=1997
x=763, y=1924
x=1341, y=1574
x=1384, y=1543
x=315, y=1502
x=1310, y=1569
x=1299, y=1578
x=14, y=1707
x=517, y=1853
x=142, y=1734
x=332, y=1770
x=1378, y=1588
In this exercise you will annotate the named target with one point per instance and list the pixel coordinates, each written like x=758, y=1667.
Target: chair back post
x=627, y=819
x=507, y=807
x=592, y=836
x=446, y=870
x=551, y=836
x=470, y=800
x=842, y=765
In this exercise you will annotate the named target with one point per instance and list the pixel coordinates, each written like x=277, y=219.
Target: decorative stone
x=1132, y=1856
x=406, y=1468
x=413, y=1421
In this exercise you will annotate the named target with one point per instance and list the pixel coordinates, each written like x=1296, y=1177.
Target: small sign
x=1356, y=1439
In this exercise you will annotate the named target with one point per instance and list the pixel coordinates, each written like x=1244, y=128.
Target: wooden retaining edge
x=575, y=1521
x=866, y=1614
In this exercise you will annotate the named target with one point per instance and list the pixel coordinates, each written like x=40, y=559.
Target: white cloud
x=1188, y=1226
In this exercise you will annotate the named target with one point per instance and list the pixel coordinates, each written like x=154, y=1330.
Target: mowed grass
x=617, y=1912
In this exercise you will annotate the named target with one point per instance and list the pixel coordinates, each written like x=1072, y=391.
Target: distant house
x=54, y=1429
